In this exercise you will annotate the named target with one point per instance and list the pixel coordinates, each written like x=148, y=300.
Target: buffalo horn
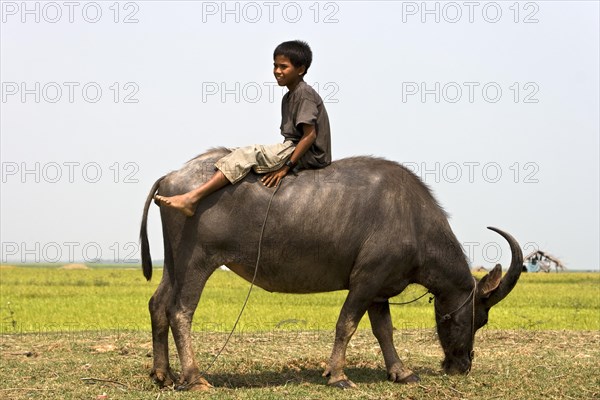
x=514, y=271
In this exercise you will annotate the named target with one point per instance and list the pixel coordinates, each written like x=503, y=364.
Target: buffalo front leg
x=186, y=295
x=381, y=324
x=161, y=371
x=352, y=311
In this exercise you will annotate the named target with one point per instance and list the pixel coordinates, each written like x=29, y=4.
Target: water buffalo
x=363, y=224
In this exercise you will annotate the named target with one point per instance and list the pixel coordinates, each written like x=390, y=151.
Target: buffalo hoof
x=343, y=384
x=399, y=374
x=163, y=378
x=195, y=385
x=412, y=378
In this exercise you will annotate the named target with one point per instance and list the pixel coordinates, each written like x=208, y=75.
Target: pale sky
x=494, y=104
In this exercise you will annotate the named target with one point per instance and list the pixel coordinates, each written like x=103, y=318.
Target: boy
x=304, y=126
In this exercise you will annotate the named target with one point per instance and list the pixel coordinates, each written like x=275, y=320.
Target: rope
x=469, y=297
x=472, y=354
x=262, y=231
x=412, y=301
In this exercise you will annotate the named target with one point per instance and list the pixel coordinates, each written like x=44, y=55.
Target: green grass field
x=60, y=326
x=50, y=299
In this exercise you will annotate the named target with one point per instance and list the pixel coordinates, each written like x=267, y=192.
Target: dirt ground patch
x=74, y=266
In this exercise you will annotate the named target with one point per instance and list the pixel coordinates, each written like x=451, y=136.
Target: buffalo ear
x=490, y=282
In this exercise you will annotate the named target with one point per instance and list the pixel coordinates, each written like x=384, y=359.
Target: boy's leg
x=186, y=203
x=231, y=169
x=260, y=158
x=272, y=157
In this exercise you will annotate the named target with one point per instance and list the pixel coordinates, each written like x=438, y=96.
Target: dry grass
x=508, y=365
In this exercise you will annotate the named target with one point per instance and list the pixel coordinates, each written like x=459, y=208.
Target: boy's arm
x=308, y=138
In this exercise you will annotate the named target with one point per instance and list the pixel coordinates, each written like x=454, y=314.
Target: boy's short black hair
x=297, y=51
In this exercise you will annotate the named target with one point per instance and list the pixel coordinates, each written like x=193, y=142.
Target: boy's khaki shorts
x=260, y=158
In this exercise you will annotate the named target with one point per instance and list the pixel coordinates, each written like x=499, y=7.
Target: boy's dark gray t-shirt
x=303, y=105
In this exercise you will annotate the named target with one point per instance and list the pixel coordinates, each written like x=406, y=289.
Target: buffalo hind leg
x=186, y=295
x=161, y=371
x=353, y=310
x=381, y=324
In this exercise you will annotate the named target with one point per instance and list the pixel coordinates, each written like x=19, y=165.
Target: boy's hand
x=308, y=138
x=273, y=178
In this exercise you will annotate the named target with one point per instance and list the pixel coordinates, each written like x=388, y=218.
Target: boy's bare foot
x=180, y=202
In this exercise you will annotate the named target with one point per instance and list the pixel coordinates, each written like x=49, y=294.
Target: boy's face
x=285, y=72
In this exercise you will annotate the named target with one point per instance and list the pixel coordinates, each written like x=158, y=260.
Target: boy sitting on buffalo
x=304, y=127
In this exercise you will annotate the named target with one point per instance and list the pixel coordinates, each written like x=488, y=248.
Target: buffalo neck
x=445, y=281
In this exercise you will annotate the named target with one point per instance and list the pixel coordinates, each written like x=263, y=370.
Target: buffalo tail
x=145, y=246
